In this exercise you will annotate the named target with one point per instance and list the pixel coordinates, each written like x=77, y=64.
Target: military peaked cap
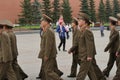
x=6, y=23
x=47, y=18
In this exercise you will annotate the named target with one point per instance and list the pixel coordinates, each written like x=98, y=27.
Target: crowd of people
x=83, y=50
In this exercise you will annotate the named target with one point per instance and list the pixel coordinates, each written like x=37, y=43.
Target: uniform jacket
x=13, y=44
x=75, y=31
x=48, y=44
x=113, y=42
x=85, y=44
x=6, y=53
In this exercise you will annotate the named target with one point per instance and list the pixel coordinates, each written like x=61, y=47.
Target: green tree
x=116, y=7
x=92, y=10
x=84, y=6
x=46, y=8
x=26, y=14
x=56, y=10
x=101, y=11
x=67, y=11
x=108, y=10
x=36, y=15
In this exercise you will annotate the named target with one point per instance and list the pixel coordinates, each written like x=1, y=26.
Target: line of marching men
x=9, y=67
x=83, y=50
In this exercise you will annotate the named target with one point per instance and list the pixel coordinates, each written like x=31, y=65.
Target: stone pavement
x=29, y=46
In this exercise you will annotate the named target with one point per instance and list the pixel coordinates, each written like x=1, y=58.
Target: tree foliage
x=56, y=10
x=84, y=6
x=108, y=10
x=46, y=7
x=116, y=7
x=92, y=12
x=67, y=11
x=101, y=11
x=36, y=14
x=26, y=14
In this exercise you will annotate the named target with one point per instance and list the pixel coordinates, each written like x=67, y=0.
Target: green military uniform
x=48, y=49
x=74, y=55
x=19, y=72
x=112, y=47
x=117, y=76
x=6, y=57
x=86, y=47
x=85, y=44
x=41, y=74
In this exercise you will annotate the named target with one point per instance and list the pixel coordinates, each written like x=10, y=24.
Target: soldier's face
x=73, y=25
x=81, y=22
x=43, y=24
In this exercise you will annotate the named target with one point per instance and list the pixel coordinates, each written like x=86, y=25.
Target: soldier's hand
x=45, y=58
x=105, y=50
x=117, y=54
x=89, y=58
x=69, y=51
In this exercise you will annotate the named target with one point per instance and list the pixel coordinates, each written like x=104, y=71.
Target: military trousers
x=117, y=76
x=74, y=64
x=111, y=61
x=49, y=69
x=97, y=70
x=18, y=71
x=41, y=73
x=6, y=69
x=86, y=68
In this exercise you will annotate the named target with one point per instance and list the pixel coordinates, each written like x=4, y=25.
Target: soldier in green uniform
x=6, y=56
x=112, y=46
x=117, y=76
x=75, y=53
x=19, y=72
x=87, y=51
x=48, y=50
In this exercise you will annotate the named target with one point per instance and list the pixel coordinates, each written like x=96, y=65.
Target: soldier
x=48, y=50
x=19, y=72
x=97, y=70
x=86, y=47
x=112, y=46
x=6, y=56
x=75, y=53
x=87, y=51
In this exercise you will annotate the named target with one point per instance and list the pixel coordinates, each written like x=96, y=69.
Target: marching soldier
x=87, y=51
x=112, y=46
x=19, y=72
x=48, y=50
x=75, y=53
x=85, y=44
x=6, y=57
x=97, y=70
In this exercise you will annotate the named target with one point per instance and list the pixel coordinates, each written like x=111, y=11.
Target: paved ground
x=28, y=45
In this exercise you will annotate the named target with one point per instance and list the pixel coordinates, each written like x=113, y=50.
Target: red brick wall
x=10, y=9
